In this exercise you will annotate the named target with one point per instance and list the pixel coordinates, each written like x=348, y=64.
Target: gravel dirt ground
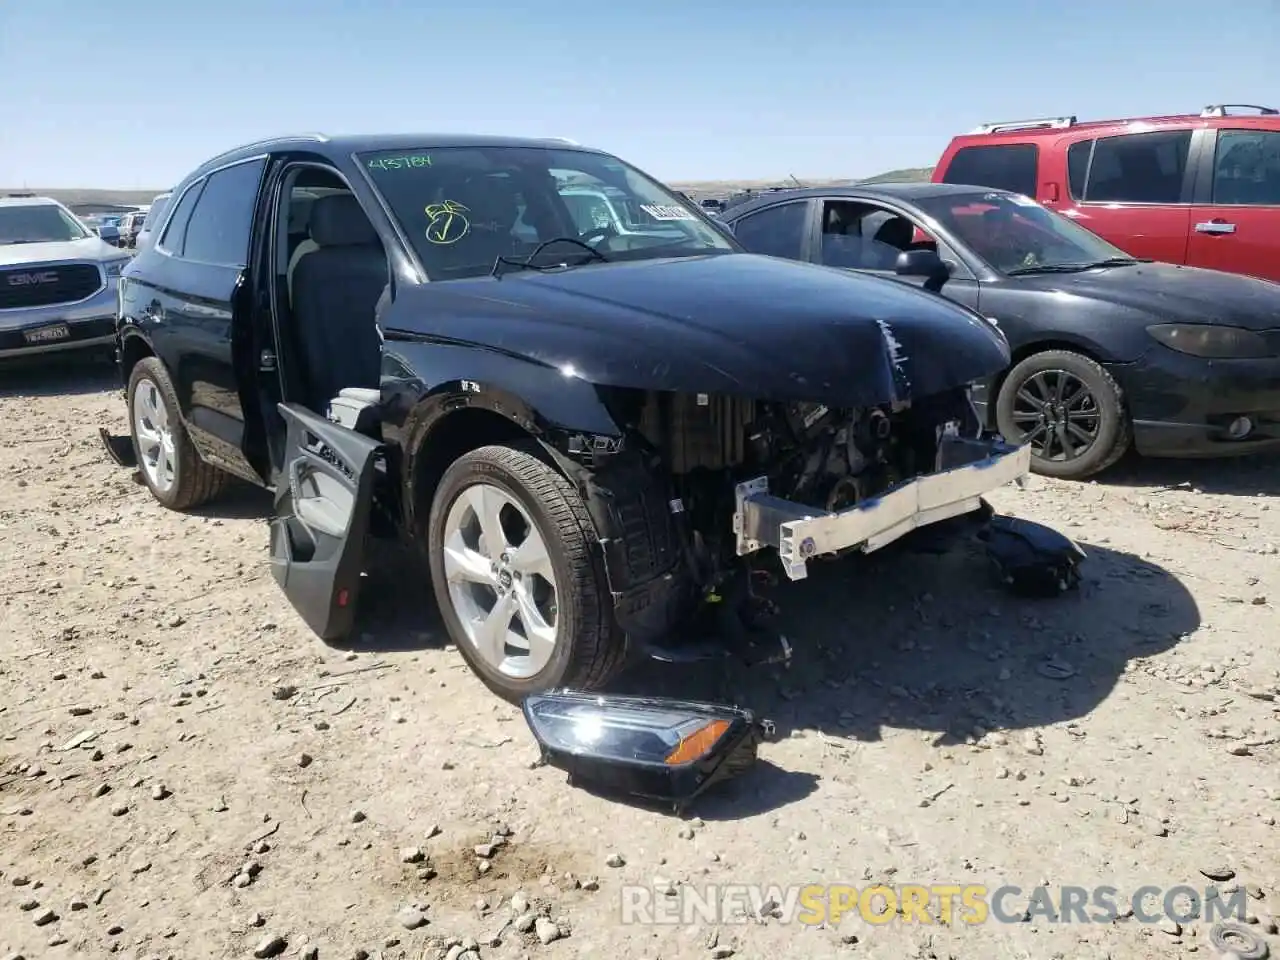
x=185, y=771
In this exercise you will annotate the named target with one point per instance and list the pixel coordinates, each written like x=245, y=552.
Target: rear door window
x=776, y=231
x=1246, y=168
x=176, y=232
x=223, y=219
x=1134, y=167
x=1010, y=166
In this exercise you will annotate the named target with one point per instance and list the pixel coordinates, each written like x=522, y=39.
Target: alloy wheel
x=501, y=581
x=154, y=435
x=1057, y=415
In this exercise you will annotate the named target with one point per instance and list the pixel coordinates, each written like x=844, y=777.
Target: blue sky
x=134, y=94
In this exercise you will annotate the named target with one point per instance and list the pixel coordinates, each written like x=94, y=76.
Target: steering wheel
x=599, y=234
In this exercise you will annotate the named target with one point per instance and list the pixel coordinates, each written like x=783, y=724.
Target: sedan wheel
x=501, y=582
x=1057, y=415
x=1068, y=409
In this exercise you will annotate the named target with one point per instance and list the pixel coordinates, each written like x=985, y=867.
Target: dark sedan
x=1109, y=351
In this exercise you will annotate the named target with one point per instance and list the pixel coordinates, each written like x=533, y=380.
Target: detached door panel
x=320, y=522
x=1236, y=228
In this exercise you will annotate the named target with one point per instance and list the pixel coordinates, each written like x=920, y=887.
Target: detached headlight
x=1212, y=341
x=651, y=748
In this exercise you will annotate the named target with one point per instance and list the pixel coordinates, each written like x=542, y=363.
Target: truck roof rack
x=1220, y=109
x=1048, y=123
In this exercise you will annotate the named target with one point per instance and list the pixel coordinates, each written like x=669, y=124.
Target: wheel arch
x=1059, y=342
x=134, y=347
x=463, y=415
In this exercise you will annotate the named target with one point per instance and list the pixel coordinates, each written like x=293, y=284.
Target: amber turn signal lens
x=698, y=743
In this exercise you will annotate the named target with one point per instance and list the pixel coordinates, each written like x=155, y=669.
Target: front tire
x=170, y=465
x=1069, y=409
x=518, y=585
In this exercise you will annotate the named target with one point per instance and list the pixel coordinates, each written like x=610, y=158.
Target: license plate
x=48, y=334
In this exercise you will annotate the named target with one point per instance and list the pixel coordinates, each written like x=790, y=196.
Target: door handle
x=1215, y=227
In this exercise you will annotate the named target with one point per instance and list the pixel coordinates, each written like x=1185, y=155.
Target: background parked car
x=1201, y=190
x=105, y=227
x=130, y=225
x=154, y=214
x=1107, y=349
x=57, y=281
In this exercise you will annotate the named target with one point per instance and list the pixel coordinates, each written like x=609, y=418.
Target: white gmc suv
x=57, y=280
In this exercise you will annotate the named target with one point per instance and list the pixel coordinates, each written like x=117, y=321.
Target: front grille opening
x=47, y=286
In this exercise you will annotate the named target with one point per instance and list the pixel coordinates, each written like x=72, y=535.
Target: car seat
x=337, y=287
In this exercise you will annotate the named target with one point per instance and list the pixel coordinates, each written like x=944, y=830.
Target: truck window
x=1246, y=168
x=1138, y=168
x=1078, y=157
x=1010, y=166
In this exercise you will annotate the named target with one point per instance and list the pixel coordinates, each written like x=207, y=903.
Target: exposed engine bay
x=824, y=458
x=675, y=498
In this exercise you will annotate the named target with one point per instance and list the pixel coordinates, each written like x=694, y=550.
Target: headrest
x=338, y=221
x=493, y=202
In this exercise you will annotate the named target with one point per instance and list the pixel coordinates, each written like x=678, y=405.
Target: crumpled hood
x=730, y=323
x=90, y=248
x=1172, y=293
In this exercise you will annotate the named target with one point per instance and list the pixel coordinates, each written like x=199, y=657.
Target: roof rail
x=267, y=141
x=1046, y=122
x=1220, y=109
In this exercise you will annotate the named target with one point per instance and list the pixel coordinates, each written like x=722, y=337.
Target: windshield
x=465, y=207
x=1015, y=234
x=39, y=223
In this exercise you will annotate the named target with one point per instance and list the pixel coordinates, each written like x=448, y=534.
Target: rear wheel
x=521, y=593
x=171, y=467
x=1068, y=409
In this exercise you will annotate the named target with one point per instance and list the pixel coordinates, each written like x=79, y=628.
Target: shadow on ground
x=901, y=639
x=1251, y=476
x=56, y=377
x=922, y=642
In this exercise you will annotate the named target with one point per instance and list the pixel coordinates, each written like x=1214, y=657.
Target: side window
x=1078, y=155
x=1009, y=166
x=1246, y=168
x=776, y=231
x=223, y=218
x=1139, y=168
x=175, y=233
x=865, y=237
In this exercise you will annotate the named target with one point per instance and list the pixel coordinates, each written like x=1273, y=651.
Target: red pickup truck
x=1196, y=189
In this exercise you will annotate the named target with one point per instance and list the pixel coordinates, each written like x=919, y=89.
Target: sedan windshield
x=467, y=210
x=38, y=223
x=1016, y=235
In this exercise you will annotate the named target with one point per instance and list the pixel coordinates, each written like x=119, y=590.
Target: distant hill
x=78, y=195
x=85, y=195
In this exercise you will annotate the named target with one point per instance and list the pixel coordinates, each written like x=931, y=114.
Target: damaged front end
x=967, y=469
x=702, y=492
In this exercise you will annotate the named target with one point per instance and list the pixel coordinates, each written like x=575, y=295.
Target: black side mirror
x=923, y=263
